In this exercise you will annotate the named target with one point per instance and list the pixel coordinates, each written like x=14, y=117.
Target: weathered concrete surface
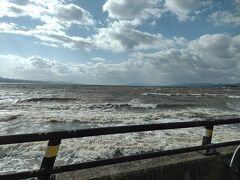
x=189, y=166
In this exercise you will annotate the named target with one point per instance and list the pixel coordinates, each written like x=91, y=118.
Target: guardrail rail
x=54, y=140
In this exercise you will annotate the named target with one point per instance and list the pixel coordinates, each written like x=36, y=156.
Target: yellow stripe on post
x=209, y=132
x=52, y=151
x=49, y=158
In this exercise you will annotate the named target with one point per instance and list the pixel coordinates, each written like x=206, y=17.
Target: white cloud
x=5, y=27
x=73, y=14
x=33, y=67
x=216, y=45
x=186, y=9
x=199, y=62
x=123, y=35
x=55, y=18
x=50, y=38
x=118, y=36
x=60, y=39
x=210, y=58
x=218, y=51
x=225, y=18
x=138, y=10
x=45, y=67
x=55, y=15
x=237, y=2
x=133, y=10
x=98, y=59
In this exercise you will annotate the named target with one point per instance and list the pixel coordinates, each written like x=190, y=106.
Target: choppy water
x=26, y=108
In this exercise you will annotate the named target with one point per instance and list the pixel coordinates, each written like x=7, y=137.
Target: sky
x=120, y=42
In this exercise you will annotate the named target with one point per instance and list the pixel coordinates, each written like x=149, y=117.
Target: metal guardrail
x=54, y=138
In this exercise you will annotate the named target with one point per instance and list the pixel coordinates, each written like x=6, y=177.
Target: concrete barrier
x=189, y=166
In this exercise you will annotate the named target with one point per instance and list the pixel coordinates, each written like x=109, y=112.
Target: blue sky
x=156, y=42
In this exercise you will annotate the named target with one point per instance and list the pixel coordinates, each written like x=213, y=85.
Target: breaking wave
x=137, y=104
x=193, y=95
x=50, y=99
x=234, y=97
x=184, y=94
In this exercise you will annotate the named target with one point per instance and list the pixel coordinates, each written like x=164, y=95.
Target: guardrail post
x=49, y=157
x=207, y=139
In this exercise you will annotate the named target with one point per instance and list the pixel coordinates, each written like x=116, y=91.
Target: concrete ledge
x=189, y=166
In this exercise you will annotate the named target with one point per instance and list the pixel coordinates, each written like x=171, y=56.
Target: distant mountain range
x=7, y=80
x=206, y=85
x=196, y=85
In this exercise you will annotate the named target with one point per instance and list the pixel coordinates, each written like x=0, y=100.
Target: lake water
x=26, y=108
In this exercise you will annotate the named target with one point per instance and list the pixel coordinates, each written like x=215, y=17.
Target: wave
x=186, y=105
x=9, y=118
x=124, y=106
x=168, y=94
x=7, y=102
x=49, y=99
x=234, y=97
x=185, y=94
x=157, y=94
x=234, y=105
x=140, y=106
x=6, y=115
x=193, y=95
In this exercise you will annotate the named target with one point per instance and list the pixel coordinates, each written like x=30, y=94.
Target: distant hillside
x=190, y=85
x=199, y=85
x=196, y=85
x=232, y=85
x=6, y=80
x=138, y=84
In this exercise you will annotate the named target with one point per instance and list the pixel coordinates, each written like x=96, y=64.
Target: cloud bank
x=211, y=58
x=131, y=27
x=120, y=34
